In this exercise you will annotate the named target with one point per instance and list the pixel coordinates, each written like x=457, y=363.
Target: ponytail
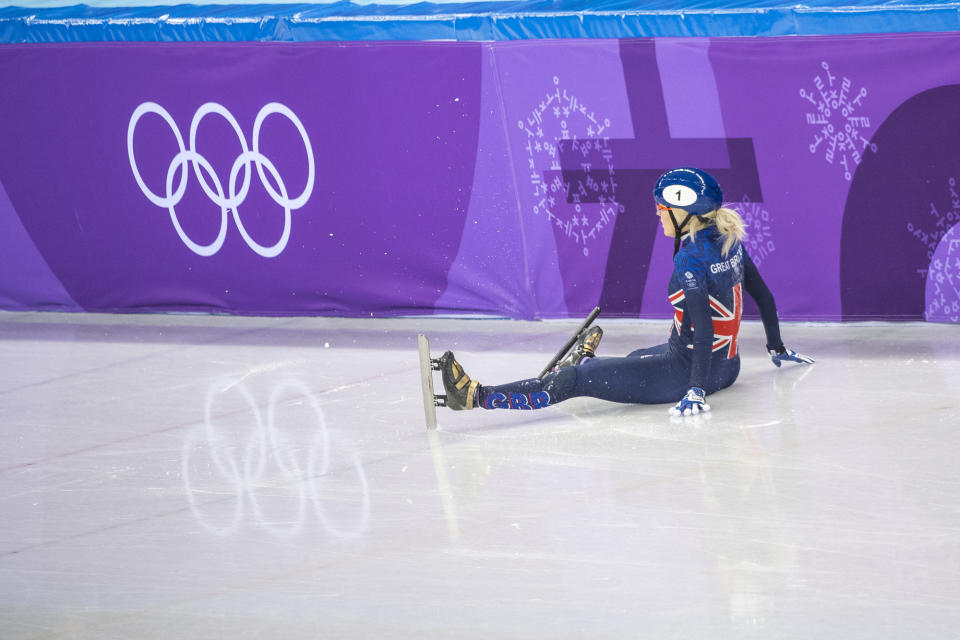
x=731, y=225
x=728, y=222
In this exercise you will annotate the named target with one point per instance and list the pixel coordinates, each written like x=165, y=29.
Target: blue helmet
x=693, y=190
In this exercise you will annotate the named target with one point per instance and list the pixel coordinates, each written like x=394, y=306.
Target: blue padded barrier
x=478, y=21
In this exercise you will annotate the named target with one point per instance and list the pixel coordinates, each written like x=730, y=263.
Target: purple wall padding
x=504, y=178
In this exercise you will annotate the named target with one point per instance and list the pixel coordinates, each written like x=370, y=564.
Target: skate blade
x=430, y=399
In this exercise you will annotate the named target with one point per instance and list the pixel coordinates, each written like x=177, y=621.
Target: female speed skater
x=711, y=269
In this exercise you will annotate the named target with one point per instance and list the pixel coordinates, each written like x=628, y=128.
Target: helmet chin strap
x=678, y=230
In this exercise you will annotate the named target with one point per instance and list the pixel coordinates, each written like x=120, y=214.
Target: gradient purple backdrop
x=434, y=162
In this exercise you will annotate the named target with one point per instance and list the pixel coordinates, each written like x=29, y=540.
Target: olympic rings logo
x=271, y=477
x=233, y=198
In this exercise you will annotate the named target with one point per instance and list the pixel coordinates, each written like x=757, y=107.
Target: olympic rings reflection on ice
x=268, y=467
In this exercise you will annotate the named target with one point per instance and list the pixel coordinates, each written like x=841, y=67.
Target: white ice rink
x=181, y=477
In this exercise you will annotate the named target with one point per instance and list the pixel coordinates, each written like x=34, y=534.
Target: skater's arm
x=758, y=290
x=693, y=278
x=698, y=306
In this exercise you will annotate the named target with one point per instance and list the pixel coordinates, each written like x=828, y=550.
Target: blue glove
x=781, y=355
x=691, y=404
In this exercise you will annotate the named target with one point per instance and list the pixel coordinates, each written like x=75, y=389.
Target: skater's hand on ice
x=781, y=355
x=691, y=404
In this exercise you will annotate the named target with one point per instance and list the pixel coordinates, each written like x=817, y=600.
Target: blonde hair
x=729, y=224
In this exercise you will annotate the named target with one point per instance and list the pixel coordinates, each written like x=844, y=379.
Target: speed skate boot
x=586, y=347
x=461, y=390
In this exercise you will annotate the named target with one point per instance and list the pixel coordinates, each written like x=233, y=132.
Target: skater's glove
x=691, y=404
x=781, y=355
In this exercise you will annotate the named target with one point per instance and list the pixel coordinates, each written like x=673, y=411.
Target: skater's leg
x=533, y=393
x=647, y=376
x=649, y=352
x=656, y=378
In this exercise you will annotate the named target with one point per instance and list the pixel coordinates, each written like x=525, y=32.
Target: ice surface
x=216, y=477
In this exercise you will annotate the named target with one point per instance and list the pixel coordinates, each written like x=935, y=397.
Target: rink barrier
x=466, y=22
x=504, y=177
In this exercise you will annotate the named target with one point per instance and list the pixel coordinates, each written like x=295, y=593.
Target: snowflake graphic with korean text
x=759, y=238
x=577, y=195
x=841, y=131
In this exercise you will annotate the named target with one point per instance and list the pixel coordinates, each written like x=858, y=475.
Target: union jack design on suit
x=726, y=323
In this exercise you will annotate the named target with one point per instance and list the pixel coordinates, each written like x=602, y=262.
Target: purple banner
x=505, y=178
